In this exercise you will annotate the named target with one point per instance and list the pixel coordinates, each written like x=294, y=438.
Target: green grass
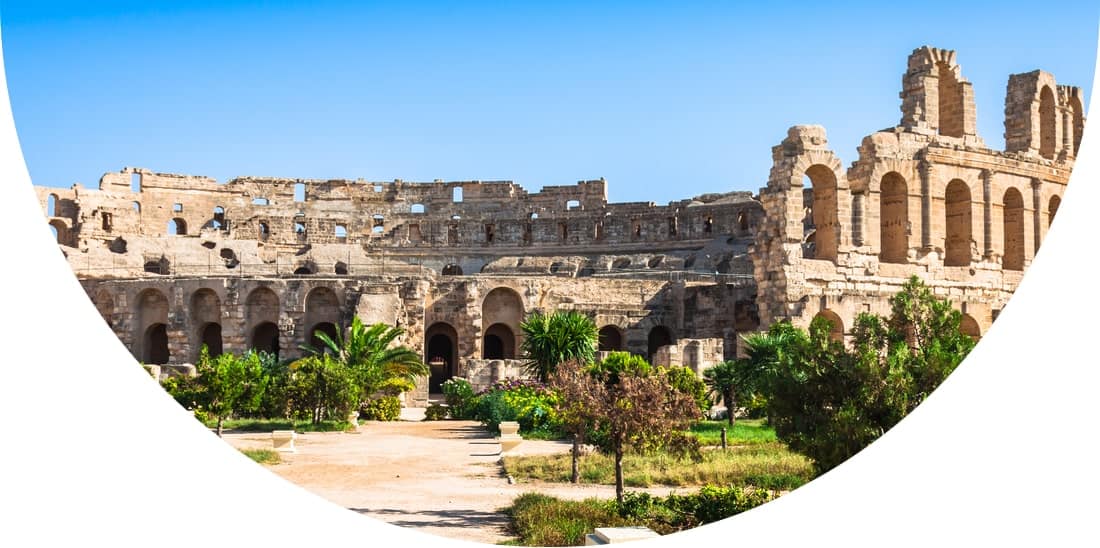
x=763, y=465
x=744, y=432
x=268, y=425
x=540, y=520
x=263, y=456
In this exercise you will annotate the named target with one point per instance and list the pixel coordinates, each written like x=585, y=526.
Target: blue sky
x=666, y=101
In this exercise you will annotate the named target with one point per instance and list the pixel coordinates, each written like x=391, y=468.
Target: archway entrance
x=156, y=345
x=328, y=328
x=611, y=339
x=440, y=353
x=266, y=338
x=499, y=343
x=211, y=337
x=658, y=336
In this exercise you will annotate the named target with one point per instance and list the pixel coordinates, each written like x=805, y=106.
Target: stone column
x=1037, y=208
x=987, y=213
x=925, y=170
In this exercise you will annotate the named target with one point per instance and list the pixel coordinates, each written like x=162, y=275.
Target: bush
x=435, y=412
x=686, y=381
x=386, y=408
x=460, y=398
x=530, y=403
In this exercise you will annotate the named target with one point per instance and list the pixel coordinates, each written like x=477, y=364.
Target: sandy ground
x=440, y=477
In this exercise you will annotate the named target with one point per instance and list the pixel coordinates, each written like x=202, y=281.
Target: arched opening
x=503, y=306
x=658, y=336
x=836, y=333
x=263, y=231
x=265, y=338
x=1047, y=124
x=341, y=233
x=328, y=328
x=823, y=212
x=950, y=102
x=959, y=237
x=136, y=206
x=456, y=194
x=572, y=204
x=51, y=205
x=1078, y=115
x=452, y=270
x=177, y=227
x=206, y=312
x=1013, y=230
x=60, y=232
x=210, y=336
x=340, y=268
x=893, y=219
x=1052, y=208
x=499, y=343
x=742, y=222
x=155, y=346
x=440, y=353
x=416, y=209
x=299, y=192
x=969, y=326
x=611, y=339
x=322, y=312
x=262, y=315
x=219, y=217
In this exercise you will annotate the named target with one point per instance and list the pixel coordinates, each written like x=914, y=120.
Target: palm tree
x=370, y=353
x=722, y=379
x=551, y=339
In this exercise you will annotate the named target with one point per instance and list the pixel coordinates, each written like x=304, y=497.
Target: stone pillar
x=1036, y=214
x=925, y=170
x=857, y=219
x=987, y=212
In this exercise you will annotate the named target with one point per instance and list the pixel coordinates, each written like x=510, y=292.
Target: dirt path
x=440, y=477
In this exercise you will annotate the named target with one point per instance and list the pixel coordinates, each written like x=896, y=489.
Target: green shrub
x=685, y=380
x=460, y=398
x=386, y=408
x=435, y=412
x=530, y=403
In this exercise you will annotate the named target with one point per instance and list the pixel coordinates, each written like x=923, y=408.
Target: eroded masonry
x=173, y=262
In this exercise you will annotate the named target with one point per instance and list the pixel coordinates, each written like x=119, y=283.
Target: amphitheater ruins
x=173, y=262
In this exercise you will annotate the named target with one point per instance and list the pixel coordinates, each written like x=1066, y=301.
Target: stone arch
x=265, y=338
x=836, y=333
x=452, y=270
x=959, y=224
x=1052, y=208
x=658, y=336
x=611, y=339
x=60, y=231
x=1013, y=230
x=504, y=306
x=210, y=336
x=322, y=307
x=823, y=211
x=1078, y=120
x=969, y=326
x=894, y=219
x=441, y=354
x=499, y=343
x=105, y=305
x=151, y=311
x=951, y=109
x=328, y=328
x=206, y=314
x=1048, y=124
x=177, y=227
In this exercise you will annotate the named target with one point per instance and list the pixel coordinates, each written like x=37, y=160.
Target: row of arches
x=260, y=324
x=821, y=225
x=968, y=326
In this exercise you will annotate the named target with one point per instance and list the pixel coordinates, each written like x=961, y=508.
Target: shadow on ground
x=439, y=518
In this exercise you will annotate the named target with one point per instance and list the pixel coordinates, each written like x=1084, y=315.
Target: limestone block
x=283, y=441
x=616, y=535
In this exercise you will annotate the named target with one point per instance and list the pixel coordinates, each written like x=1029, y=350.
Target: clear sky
x=665, y=100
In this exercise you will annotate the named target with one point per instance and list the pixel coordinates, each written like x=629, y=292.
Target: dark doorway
x=328, y=328
x=658, y=336
x=611, y=339
x=265, y=337
x=499, y=343
x=211, y=336
x=156, y=344
x=440, y=355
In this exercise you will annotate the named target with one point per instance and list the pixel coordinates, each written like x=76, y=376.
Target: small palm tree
x=370, y=353
x=723, y=379
x=552, y=339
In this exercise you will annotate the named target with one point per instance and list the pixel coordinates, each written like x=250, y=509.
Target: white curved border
x=93, y=450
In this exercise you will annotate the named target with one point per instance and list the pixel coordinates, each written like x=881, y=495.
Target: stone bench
x=509, y=436
x=616, y=535
x=283, y=441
